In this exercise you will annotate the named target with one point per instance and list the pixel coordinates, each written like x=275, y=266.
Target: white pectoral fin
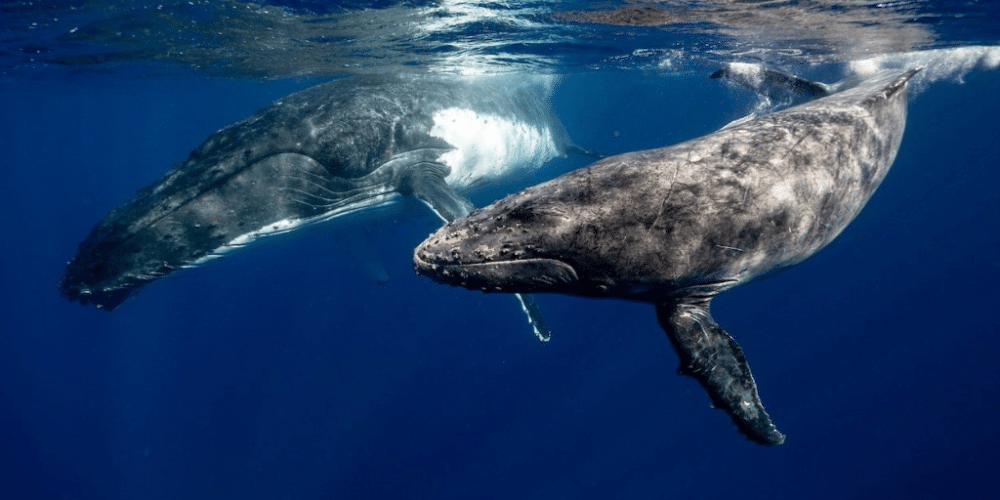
x=535, y=318
x=427, y=182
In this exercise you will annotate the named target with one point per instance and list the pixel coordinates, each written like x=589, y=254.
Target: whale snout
x=91, y=281
x=522, y=276
x=102, y=298
x=458, y=256
x=515, y=245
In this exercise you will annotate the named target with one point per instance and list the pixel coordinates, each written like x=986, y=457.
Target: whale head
x=543, y=239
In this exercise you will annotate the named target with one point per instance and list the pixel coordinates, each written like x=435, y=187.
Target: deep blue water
x=283, y=372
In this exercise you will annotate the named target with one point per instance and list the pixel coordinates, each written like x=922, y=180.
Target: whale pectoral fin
x=425, y=180
x=713, y=358
x=535, y=319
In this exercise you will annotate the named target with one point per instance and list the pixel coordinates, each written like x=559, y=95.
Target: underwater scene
x=729, y=249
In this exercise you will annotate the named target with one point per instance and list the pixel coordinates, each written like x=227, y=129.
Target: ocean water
x=285, y=372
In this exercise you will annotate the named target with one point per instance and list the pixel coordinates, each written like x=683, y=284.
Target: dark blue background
x=283, y=372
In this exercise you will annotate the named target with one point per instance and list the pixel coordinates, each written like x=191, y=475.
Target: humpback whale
x=678, y=225
x=350, y=146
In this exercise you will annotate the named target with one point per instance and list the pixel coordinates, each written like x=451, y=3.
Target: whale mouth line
x=507, y=276
x=102, y=298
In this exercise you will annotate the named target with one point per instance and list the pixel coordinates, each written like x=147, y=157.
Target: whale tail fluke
x=769, y=81
x=774, y=89
x=713, y=358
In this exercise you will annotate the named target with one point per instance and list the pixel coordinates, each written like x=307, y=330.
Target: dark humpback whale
x=346, y=147
x=678, y=225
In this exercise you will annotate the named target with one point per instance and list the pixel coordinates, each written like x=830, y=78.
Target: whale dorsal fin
x=713, y=358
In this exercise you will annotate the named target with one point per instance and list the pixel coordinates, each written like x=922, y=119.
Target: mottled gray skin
x=676, y=226
x=330, y=150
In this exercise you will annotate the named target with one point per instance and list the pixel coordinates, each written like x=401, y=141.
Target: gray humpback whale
x=346, y=147
x=676, y=226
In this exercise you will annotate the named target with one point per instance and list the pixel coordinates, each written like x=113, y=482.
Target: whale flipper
x=531, y=309
x=714, y=358
x=426, y=181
